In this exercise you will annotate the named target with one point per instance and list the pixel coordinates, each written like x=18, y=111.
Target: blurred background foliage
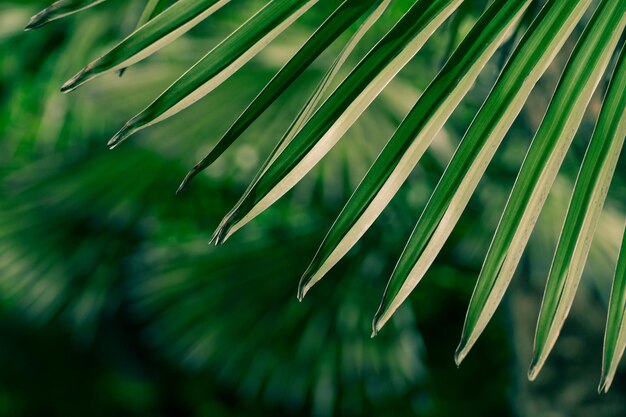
x=112, y=303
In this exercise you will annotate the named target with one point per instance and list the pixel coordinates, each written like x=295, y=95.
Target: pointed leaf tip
x=187, y=180
x=221, y=233
x=302, y=289
x=37, y=21
x=114, y=141
x=605, y=384
x=460, y=353
x=74, y=82
x=32, y=24
x=374, y=330
x=183, y=185
x=381, y=317
x=377, y=323
x=376, y=326
x=535, y=367
x=123, y=134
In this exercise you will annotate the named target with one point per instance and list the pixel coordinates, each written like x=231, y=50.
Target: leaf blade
x=615, y=333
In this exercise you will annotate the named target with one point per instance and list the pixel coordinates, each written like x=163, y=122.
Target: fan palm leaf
x=326, y=117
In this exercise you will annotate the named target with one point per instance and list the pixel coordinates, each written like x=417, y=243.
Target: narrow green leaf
x=58, y=10
x=531, y=58
x=414, y=136
x=582, y=217
x=152, y=9
x=339, y=112
x=343, y=17
x=219, y=64
x=615, y=334
x=541, y=165
x=174, y=22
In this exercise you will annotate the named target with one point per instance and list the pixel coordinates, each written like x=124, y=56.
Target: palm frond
x=327, y=116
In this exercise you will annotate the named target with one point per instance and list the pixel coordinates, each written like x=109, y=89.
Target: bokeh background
x=112, y=303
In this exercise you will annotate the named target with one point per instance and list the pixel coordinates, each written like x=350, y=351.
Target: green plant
x=337, y=103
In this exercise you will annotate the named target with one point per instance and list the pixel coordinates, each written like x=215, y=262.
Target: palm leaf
x=580, y=78
x=531, y=58
x=61, y=8
x=181, y=17
x=325, y=118
x=615, y=335
x=414, y=136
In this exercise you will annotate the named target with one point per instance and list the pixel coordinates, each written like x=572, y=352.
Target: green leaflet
x=58, y=10
x=615, y=334
x=343, y=17
x=339, y=111
x=219, y=64
x=582, y=217
x=580, y=78
x=152, y=9
x=156, y=34
x=529, y=61
x=414, y=136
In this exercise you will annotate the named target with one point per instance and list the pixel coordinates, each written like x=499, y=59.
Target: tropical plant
x=533, y=35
